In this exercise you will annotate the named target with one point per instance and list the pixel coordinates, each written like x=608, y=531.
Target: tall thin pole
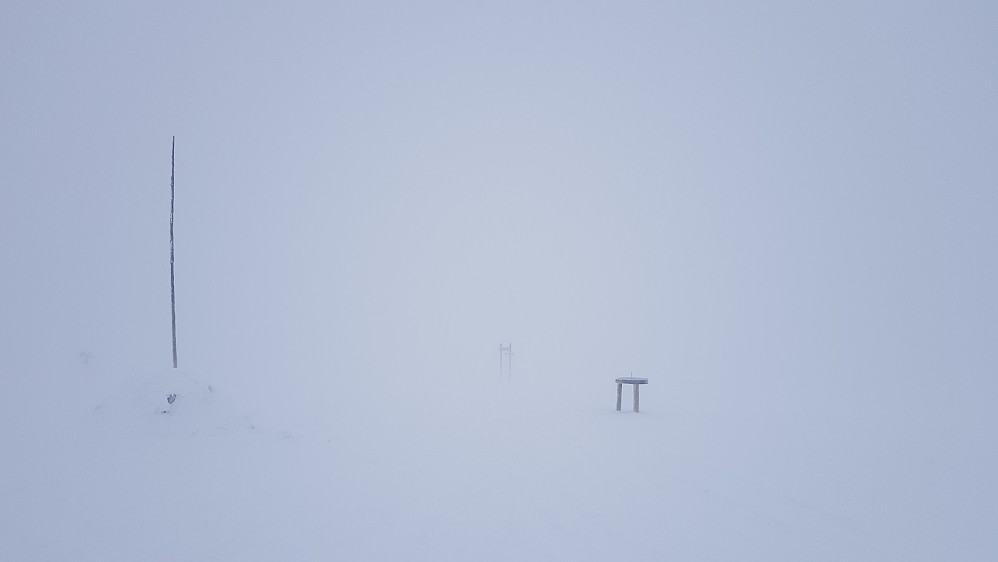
x=173, y=289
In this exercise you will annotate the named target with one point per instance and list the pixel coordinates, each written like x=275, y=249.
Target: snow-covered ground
x=99, y=466
x=784, y=214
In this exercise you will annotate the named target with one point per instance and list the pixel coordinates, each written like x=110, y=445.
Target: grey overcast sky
x=792, y=200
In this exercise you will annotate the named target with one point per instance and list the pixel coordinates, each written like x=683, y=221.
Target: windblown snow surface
x=99, y=466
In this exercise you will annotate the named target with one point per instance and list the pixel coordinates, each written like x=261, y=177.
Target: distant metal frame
x=506, y=360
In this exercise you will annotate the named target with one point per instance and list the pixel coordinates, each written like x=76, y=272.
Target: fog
x=779, y=213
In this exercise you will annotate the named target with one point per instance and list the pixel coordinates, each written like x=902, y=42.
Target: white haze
x=783, y=214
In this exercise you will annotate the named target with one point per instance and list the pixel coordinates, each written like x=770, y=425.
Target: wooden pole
x=173, y=287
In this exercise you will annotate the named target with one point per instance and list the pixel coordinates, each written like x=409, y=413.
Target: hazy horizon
x=782, y=211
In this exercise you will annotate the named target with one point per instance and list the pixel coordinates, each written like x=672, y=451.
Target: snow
x=783, y=215
x=98, y=466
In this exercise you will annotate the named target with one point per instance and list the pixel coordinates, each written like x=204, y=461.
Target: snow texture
x=100, y=467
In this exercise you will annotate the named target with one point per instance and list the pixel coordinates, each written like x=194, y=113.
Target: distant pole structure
x=506, y=360
x=173, y=286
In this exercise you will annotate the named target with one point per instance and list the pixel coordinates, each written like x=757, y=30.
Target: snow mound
x=166, y=401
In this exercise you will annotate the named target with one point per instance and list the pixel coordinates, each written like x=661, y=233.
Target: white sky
x=791, y=201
